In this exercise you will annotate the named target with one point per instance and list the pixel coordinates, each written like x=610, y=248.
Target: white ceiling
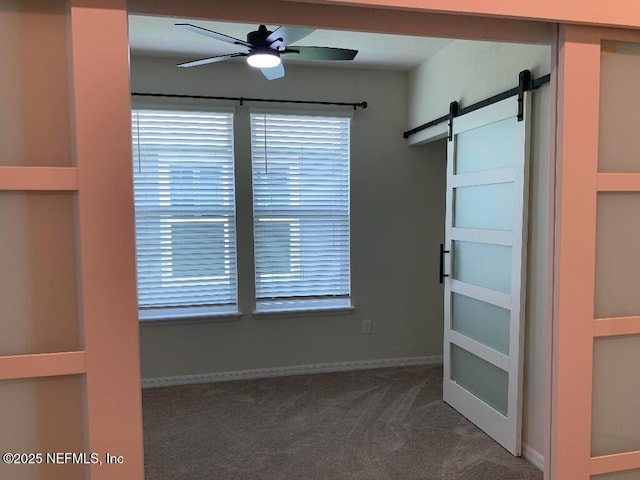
x=159, y=36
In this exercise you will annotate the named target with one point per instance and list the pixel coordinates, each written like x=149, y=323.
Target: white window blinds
x=184, y=208
x=301, y=207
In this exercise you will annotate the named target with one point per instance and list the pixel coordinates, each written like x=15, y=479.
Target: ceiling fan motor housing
x=258, y=38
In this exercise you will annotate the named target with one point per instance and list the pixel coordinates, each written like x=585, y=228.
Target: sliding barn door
x=484, y=262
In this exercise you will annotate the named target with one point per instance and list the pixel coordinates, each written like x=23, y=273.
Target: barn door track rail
x=525, y=83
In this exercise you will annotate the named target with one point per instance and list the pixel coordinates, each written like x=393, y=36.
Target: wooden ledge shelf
x=38, y=178
x=618, y=182
x=42, y=365
x=615, y=463
x=606, y=327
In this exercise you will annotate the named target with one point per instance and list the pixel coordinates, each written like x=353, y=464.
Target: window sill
x=182, y=317
x=303, y=308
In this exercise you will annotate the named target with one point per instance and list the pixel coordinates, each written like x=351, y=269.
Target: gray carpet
x=386, y=424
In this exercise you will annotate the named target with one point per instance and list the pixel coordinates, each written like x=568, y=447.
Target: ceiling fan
x=265, y=48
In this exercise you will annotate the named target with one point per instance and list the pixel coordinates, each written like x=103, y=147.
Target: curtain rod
x=526, y=83
x=362, y=105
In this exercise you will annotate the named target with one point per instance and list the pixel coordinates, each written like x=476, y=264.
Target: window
x=300, y=170
x=185, y=212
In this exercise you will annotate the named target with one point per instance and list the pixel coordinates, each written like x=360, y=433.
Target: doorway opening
x=396, y=298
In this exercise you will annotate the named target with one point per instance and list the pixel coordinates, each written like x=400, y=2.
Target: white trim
x=480, y=350
x=500, y=299
x=485, y=177
x=177, y=313
x=191, y=319
x=303, y=313
x=430, y=134
x=268, y=306
x=533, y=456
x=477, y=235
x=289, y=371
x=501, y=110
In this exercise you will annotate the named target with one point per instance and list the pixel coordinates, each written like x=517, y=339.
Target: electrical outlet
x=366, y=327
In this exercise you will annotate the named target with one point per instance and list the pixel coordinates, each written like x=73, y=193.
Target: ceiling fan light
x=263, y=60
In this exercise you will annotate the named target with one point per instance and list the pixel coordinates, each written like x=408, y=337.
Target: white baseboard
x=286, y=371
x=533, y=456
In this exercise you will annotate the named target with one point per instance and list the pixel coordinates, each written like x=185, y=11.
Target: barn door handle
x=442, y=252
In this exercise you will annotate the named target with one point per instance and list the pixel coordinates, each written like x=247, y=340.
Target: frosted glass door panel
x=35, y=119
x=485, y=240
x=484, y=206
x=38, y=262
x=627, y=475
x=617, y=255
x=618, y=139
x=616, y=395
x=481, y=321
x=482, y=264
x=487, y=147
x=479, y=377
x=42, y=415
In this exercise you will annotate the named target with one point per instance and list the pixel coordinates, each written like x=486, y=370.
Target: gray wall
x=469, y=72
x=397, y=216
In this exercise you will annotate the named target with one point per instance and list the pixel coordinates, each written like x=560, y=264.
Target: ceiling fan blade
x=273, y=72
x=288, y=35
x=212, y=34
x=205, y=61
x=321, y=53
